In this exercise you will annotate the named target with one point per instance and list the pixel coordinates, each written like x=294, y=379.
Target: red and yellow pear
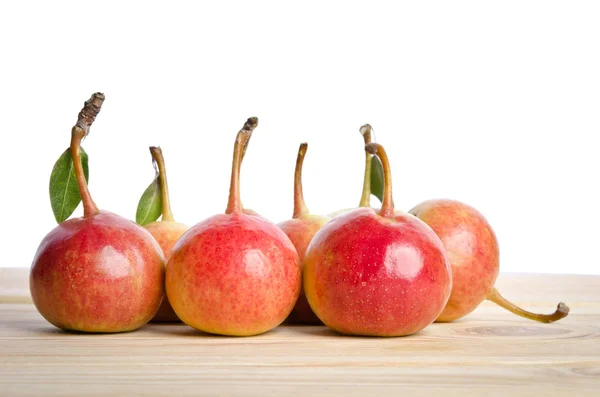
x=100, y=272
x=166, y=231
x=377, y=272
x=301, y=229
x=472, y=249
x=234, y=273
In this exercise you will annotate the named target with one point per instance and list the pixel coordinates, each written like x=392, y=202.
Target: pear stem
x=244, y=148
x=562, y=310
x=90, y=110
x=365, y=199
x=299, y=204
x=89, y=207
x=157, y=157
x=387, y=206
x=234, y=204
x=86, y=117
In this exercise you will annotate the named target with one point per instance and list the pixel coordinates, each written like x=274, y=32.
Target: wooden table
x=490, y=352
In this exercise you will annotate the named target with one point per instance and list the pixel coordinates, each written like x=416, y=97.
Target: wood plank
x=490, y=352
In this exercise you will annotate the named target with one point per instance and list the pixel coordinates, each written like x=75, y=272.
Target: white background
x=496, y=104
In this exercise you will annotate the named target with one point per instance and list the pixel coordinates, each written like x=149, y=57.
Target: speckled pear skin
x=166, y=233
x=101, y=273
x=233, y=274
x=472, y=249
x=369, y=275
x=301, y=231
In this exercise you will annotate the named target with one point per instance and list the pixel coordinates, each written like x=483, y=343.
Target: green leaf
x=150, y=205
x=64, y=191
x=377, y=182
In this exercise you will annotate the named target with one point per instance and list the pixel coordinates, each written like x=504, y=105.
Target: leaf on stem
x=150, y=204
x=64, y=190
x=377, y=181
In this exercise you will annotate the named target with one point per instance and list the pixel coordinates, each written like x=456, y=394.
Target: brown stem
x=387, y=206
x=561, y=311
x=157, y=157
x=244, y=148
x=365, y=199
x=299, y=204
x=90, y=110
x=89, y=207
x=86, y=117
x=234, y=204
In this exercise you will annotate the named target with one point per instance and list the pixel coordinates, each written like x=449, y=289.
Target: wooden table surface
x=490, y=352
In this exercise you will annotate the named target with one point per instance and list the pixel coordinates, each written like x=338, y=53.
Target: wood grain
x=490, y=352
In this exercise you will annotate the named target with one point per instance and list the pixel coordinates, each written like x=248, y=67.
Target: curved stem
x=89, y=207
x=365, y=199
x=86, y=117
x=561, y=311
x=157, y=157
x=387, y=206
x=234, y=204
x=299, y=204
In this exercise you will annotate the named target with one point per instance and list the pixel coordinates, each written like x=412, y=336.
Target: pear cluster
x=363, y=271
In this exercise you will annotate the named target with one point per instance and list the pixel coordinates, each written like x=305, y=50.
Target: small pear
x=165, y=231
x=474, y=255
x=301, y=229
x=100, y=272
